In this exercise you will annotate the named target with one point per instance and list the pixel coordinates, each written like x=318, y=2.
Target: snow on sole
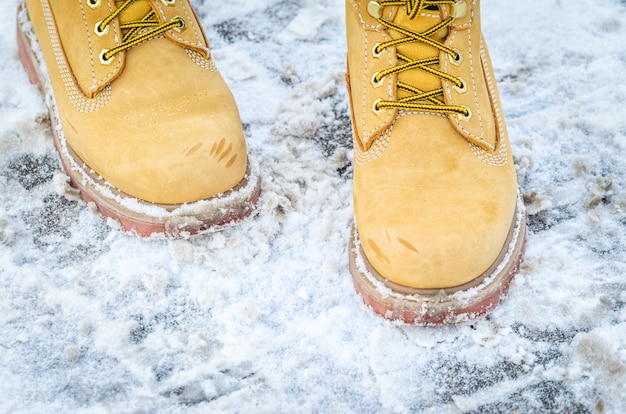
x=439, y=306
x=132, y=214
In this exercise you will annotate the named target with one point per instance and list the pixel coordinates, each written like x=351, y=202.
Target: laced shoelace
x=417, y=100
x=134, y=34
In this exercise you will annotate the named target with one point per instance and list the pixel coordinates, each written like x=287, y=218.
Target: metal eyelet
x=377, y=83
x=94, y=4
x=459, y=9
x=168, y=2
x=375, y=53
x=103, y=59
x=374, y=9
x=460, y=89
x=375, y=108
x=458, y=60
x=99, y=32
x=182, y=26
x=467, y=117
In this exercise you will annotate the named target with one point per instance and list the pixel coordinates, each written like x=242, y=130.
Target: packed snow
x=263, y=317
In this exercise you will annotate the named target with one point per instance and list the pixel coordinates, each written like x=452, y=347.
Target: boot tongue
x=135, y=11
x=423, y=21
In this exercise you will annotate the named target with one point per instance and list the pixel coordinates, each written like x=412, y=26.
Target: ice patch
x=306, y=24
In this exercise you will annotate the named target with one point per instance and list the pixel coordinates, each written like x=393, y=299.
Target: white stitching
x=173, y=34
x=366, y=133
x=501, y=158
x=189, y=18
x=107, y=77
x=454, y=119
x=197, y=58
x=77, y=98
x=93, y=71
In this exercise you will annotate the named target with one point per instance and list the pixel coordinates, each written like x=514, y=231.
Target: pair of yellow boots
x=147, y=129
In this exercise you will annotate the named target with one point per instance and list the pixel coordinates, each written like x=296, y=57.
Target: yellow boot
x=439, y=226
x=143, y=122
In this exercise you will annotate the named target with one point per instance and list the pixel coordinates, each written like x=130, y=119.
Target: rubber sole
x=439, y=306
x=132, y=214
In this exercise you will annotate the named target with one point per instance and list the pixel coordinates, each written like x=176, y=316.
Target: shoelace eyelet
x=463, y=117
x=458, y=60
x=183, y=23
x=94, y=4
x=101, y=32
x=375, y=109
x=375, y=52
x=377, y=83
x=168, y=2
x=459, y=9
x=103, y=59
x=374, y=9
x=420, y=101
x=460, y=89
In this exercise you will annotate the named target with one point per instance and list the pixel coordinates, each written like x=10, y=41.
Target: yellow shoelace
x=132, y=36
x=418, y=100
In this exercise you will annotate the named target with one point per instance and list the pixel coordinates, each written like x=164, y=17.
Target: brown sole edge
x=439, y=307
x=211, y=214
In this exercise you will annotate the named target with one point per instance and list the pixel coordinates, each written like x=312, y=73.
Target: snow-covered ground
x=263, y=317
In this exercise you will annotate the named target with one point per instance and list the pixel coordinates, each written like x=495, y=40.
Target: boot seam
x=178, y=38
x=467, y=132
x=500, y=158
x=367, y=138
x=77, y=98
x=93, y=71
